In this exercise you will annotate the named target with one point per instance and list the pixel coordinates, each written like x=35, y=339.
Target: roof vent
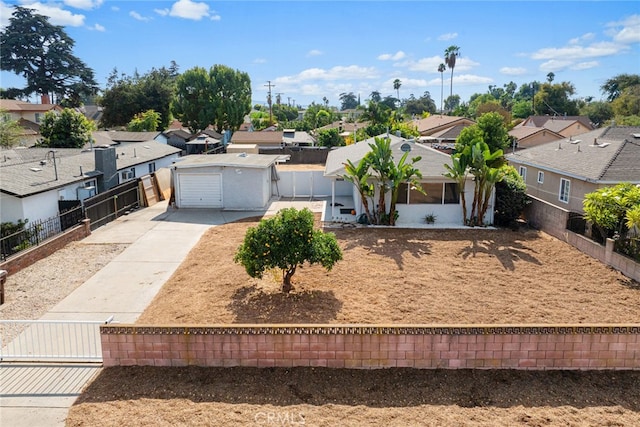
x=242, y=154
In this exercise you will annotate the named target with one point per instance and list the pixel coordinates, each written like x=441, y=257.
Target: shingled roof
x=604, y=156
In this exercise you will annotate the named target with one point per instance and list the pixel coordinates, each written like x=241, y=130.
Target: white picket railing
x=51, y=340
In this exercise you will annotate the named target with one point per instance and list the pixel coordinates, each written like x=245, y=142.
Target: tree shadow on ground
x=378, y=388
x=506, y=252
x=387, y=243
x=249, y=304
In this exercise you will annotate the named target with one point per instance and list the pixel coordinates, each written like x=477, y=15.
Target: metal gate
x=51, y=340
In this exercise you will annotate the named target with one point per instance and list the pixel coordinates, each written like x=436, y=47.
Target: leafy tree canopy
x=614, y=87
x=42, y=54
x=348, y=101
x=69, y=129
x=490, y=129
x=607, y=207
x=554, y=100
x=287, y=241
x=10, y=130
x=144, y=122
x=330, y=138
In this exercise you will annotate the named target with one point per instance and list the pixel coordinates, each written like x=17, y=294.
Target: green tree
x=598, y=112
x=42, y=54
x=441, y=70
x=554, y=100
x=419, y=106
x=193, y=105
x=287, y=241
x=452, y=103
x=330, y=138
x=607, y=208
x=400, y=173
x=511, y=197
x=459, y=171
x=451, y=54
x=490, y=129
x=126, y=96
x=69, y=129
x=627, y=103
x=522, y=109
x=396, y=86
x=359, y=176
x=348, y=101
x=10, y=130
x=614, y=87
x=231, y=97
x=144, y=122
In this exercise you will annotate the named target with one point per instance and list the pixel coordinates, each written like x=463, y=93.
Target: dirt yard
x=387, y=276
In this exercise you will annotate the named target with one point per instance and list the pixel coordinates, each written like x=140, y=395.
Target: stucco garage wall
x=245, y=188
x=11, y=208
x=303, y=184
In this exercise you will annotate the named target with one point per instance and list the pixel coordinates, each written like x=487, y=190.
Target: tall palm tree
x=396, y=85
x=450, y=56
x=441, y=69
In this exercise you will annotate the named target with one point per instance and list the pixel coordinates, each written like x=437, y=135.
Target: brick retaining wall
x=370, y=347
x=30, y=256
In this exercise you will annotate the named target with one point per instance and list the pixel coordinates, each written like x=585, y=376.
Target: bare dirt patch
x=387, y=276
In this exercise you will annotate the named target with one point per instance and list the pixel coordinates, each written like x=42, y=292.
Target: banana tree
x=380, y=159
x=458, y=171
x=359, y=176
x=401, y=173
x=484, y=167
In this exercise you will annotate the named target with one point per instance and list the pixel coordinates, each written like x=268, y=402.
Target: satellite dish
x=405, y=147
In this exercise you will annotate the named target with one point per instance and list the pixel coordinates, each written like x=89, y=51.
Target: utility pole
x=279, y=97
x=269, y=85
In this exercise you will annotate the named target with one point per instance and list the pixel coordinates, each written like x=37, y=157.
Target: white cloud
x=392, y=56
x=584, y=37
x=57, y=15
x=513, y=71
x=189, y=9
x=162, y=12
x=351, y=72
x=575, y=52
x=448, y=36
x=584, y=65
x=84, y=4
x=97, y=27
x=555, y=65
x=626, y=31
x=259, y=61
x=5, y=14
x=469, y=79
x=135, y=15
x=429, y=65
x=314, y=52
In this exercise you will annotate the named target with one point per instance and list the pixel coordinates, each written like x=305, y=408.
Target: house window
x=523, y=173
x=38, y=115
x=540, y=177
x=451, y=194
x=152, y=167
x=565, y=187
x=406, y=195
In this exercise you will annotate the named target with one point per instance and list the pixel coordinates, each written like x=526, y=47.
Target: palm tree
x=458, y=171
x=450, y=55
x=441, y=69
x=396, y=85
x=359, y=176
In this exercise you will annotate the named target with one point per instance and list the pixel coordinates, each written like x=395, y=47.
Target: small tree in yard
x=287, y=241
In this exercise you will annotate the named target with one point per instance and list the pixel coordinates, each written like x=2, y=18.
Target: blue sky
x=316, y=49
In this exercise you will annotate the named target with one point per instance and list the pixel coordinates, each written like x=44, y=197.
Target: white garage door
x=200, y=190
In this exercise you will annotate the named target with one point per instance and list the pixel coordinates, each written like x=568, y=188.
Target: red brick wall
x=25, y=258
x=368, y=347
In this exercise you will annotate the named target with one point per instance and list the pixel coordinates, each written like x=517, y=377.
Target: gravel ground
x=33, y=291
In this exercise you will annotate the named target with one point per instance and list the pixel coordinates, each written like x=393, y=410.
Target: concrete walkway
x=159, y=238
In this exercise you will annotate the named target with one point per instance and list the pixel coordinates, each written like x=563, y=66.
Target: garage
x=200, y=190
x=232, y=181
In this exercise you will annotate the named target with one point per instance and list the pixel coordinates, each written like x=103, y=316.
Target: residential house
x=442, y=198
x=29, y=116
x=34, y=180
x=560, y=173
x=441, y=131
x=564, y=125
x=294, y=138
x=269, y=139
x=529, y=136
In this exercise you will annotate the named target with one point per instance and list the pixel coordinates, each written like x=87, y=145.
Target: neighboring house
x=345, y=128
x=292, y=137
x=441, y=131
x=442, y=198
x=564, y=125
x=127, y=136
x=225, y=181
x=210, y=143
x=269, y=139
x=529, y=136
x=178, y=138
x=560, y=173
x=34, y=180
x=26, y=110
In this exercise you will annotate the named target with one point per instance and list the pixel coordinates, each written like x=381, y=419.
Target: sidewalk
x=160, y=237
